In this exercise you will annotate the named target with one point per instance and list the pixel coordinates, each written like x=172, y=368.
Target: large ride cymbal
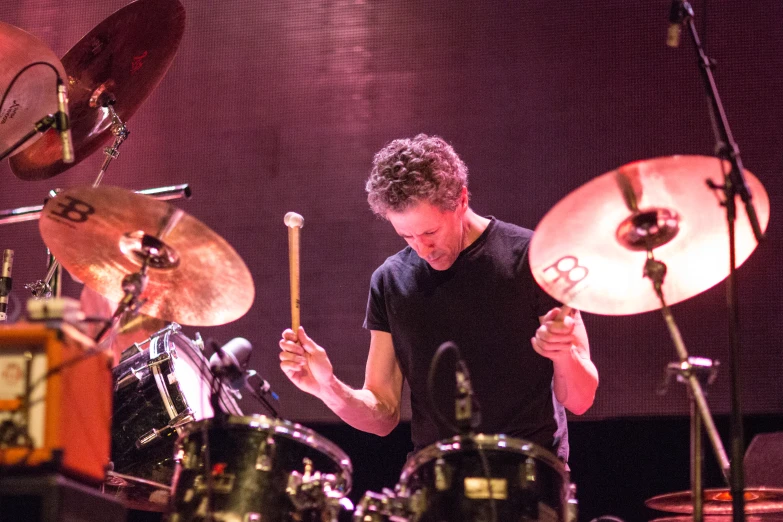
x=34, y=94
x=98, y=234
x=718, y=501
x=123, y=58
x=589, y=250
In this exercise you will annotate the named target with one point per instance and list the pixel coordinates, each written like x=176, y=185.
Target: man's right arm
x=374, y=408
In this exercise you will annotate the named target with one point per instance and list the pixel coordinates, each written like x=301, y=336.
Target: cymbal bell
x=718, y=501
x=34, y=94
x=589, y=251
x=101, y=234
x=123, y=59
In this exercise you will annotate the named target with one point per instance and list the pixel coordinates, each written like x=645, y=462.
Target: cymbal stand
x=707, y=371
x=154, y=253
x=121, y=133
x=734, y=185
x=656, y=271
x=46, y=288
x=17, y=215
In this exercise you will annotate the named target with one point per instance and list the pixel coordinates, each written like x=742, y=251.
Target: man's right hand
x=304, y=362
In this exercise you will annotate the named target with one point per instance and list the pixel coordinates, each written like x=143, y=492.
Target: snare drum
x=484, y=478
x=258, y=469
x=157, y=391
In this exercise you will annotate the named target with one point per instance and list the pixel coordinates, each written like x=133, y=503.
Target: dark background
x=276, y=106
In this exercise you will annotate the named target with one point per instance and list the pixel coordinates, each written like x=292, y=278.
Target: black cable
x=16, y=77
x=443, y=348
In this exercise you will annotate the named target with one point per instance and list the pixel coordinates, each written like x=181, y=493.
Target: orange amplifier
x=66, y=423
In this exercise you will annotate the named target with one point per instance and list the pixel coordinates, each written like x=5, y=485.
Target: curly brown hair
x=408, y=171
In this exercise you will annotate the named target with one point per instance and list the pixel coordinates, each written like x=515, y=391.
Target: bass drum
x=157, y=392
x=484, y=478
x=254, y=469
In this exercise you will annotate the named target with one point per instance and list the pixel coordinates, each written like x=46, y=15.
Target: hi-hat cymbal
x=589, y=250
x=195, y=277
x=34, y=94
x=122, y=58
x=718, y=501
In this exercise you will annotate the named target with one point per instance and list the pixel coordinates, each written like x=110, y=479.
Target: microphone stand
x=733, y=185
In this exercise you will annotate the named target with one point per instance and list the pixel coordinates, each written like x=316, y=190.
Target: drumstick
x=564, y=311
x=294, y=222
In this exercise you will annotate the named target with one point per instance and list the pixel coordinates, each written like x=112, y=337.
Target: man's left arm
x=566, y=344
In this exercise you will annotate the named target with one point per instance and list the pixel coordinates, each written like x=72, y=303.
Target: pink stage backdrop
x=276, y=106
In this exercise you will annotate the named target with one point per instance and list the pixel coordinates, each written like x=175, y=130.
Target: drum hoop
x=484, y=442
x=290, y=430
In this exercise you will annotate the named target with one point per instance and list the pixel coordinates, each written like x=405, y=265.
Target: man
x=463, y=278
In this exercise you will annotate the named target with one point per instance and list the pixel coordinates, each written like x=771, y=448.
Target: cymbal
x=34, y=94
x=194, y=277
x=123, y=58
x=722, y=518
x=589, y=251
x=718, y=501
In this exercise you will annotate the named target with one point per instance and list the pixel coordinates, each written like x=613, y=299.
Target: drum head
x=191, y=370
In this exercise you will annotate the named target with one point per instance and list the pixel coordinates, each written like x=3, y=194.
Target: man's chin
x=440, y=264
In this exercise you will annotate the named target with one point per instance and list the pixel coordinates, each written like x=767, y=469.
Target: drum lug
x=442, y=475
x=310, y=491
x=266, y=455
x=572, y=505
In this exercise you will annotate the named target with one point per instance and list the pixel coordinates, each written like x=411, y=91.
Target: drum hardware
x=311, y=492
x=122, y=59
x=168, y=193
x=734, y=184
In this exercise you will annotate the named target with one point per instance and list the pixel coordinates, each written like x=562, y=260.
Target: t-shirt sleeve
x=376, y=317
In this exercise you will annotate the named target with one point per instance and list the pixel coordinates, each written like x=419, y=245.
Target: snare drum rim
x=483, y=442
x=288, y=429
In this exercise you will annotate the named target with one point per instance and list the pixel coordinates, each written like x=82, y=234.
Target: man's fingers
x=292, y=347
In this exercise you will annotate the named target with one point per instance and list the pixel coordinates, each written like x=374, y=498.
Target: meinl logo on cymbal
x=138, y=62
x=10, y=112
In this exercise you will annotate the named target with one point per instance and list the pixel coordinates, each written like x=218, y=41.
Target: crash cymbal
x=718, y=501
x=588, y=251
x=123, y=58
x=98, y=235
x=34, y=94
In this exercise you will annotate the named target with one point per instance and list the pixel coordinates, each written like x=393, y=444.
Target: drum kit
x=180, y=442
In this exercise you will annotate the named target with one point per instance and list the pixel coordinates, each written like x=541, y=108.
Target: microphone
x=230, y=361
x=467, y=417
x=675, y=24
x=63, y=122
x=5, y=282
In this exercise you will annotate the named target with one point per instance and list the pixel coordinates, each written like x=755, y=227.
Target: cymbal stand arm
x=50, y=286
x=133, y=285
x=656, y=271
x=121, y=133
x=17, y=215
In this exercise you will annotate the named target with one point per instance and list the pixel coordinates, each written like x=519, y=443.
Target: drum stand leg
x=656, y=271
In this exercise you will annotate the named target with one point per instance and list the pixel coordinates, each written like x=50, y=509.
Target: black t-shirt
x=488, y=304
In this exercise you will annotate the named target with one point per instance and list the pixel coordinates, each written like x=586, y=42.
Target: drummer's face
x=436, y=235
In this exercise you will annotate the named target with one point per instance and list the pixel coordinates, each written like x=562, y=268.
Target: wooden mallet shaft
x=294, y=222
